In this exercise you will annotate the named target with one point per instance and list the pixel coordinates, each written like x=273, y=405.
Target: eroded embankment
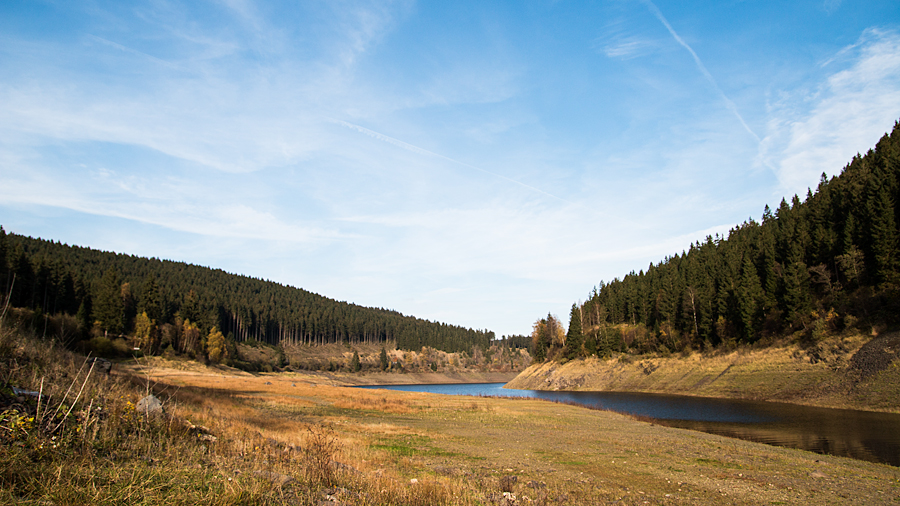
x=856, y=372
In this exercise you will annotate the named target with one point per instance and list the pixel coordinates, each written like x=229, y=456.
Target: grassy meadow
x=231, y=437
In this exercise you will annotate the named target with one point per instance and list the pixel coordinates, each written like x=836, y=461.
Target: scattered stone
x=444, y=470
x=347, y=468
x=267, y=383
x=277, y=479
x=509, y=497
x=149, y=406
x=100, y=365
x=333, y=496
x=413, y=481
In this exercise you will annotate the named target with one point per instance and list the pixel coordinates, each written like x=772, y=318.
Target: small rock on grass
x=149, y=405
x=277, y=479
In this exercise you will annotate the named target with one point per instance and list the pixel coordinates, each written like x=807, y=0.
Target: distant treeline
x=817, y=266
x=116, y=293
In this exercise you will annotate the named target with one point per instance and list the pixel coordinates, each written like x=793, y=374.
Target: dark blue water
x=861, y=435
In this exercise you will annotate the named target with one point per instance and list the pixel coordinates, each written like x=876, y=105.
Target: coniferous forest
x=809, y=268
x=196, y=310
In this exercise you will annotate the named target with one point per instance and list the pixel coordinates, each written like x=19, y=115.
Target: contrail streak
x=659, y=15
x=418, y=150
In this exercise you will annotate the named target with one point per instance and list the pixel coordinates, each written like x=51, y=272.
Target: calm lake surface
x=861, y=435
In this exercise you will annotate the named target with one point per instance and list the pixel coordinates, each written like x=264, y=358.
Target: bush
x=101, y=346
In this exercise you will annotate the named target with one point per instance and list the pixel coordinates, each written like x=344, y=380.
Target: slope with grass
x=854, y=371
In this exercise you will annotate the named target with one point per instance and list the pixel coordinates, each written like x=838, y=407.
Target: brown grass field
x=236, y=438
x=464, y=450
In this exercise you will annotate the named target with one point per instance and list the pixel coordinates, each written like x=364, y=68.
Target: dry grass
x=294, y=439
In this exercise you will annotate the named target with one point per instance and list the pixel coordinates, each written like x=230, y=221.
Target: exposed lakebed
x=864, y=435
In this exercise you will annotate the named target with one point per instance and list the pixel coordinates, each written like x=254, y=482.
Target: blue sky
x=478, y=163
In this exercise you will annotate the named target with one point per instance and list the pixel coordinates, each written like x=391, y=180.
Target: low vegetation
x=70, y=434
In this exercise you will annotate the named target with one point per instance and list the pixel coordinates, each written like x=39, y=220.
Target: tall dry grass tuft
x=319, y=450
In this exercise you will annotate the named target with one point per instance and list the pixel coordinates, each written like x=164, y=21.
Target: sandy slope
x=823, y=375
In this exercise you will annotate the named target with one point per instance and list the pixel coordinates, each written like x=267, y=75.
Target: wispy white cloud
x=831, y=6
x=621, y=40
x=418, y=150
x=627, y=48
x=845, y=115
x=176, y=204
x=728, y=103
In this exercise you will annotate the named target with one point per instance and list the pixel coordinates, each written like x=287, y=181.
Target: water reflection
x=861, y=435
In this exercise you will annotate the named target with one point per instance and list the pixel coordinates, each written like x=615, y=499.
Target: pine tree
x=150, y=301
x=382, y=357
x=796, y=286
x=4, y=266
x=109, y=309
x=84, y=316
x=355, y=366
x=750, y=299
x=884, y=237
x=575, y=335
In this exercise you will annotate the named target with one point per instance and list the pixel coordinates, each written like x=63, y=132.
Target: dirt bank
x=419, y=378
x=857, y=372
x=164, y=367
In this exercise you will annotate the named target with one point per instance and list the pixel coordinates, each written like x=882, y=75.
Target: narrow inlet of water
x=863, y=435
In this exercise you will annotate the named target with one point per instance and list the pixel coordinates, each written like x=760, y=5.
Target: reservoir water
x=863, y=435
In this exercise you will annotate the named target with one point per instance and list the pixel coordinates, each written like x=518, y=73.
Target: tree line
x=816, y=266
x=195, y=309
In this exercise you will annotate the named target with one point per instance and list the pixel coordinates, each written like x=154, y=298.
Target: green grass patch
x=719, y=463
x=410, y=446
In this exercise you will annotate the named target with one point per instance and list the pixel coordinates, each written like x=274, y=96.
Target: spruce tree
x=109, y=309
x=750, y=299
x=575, y=335
x=382, y=357
x=150, y=301
x=4, y=266
x=884, y=237
x=796, y=286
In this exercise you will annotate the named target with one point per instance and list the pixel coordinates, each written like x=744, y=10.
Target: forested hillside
x=816, y=266
x=166, y=303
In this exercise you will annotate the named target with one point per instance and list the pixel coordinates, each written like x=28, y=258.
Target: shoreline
x=821, y=376
x=416, y=378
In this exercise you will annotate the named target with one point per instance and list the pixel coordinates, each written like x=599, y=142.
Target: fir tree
x=884, y=237
x=750, y=299
x=383, y=359
x=575, y=335
x=109, y=309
